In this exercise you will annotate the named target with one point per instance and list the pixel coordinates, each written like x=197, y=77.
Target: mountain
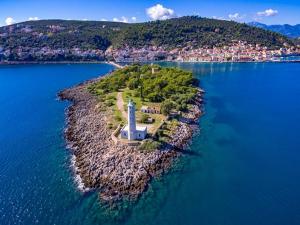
x=195, y=31
x=71, y=40
x=286, y=29
x=60, y=34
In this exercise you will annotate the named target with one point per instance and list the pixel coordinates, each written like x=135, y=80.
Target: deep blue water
x=245, y=166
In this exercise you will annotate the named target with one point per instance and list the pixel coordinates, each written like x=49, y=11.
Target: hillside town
x=236, y=51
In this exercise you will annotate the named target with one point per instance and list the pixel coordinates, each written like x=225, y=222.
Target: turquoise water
x=244, y=167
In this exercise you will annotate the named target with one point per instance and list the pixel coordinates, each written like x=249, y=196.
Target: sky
x=264, y=11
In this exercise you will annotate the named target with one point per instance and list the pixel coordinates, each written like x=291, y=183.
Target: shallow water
x=244, y=167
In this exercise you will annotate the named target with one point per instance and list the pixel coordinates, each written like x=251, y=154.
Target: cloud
x=103, y=19
x=218, y=18
x=268, y=13
x=9, y=21
x=159, y=12
x=235, y=16
x=33, y=18
x=124, y=19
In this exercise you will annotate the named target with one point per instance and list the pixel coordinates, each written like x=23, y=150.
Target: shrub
x=160, y=133
x=133, y=84
x=144, y=118
x=109, y=103
x=110, y=97
x=167, y=106
x=155, y=97
x=149, y=146
x=118, y=118
x=182, y=107
x=136, y=93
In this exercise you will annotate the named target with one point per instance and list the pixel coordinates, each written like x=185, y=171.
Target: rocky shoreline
x=116, y=170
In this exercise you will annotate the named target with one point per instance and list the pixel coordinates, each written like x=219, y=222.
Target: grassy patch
x=149, y=146
x=130, y=94
x=110, y=101
x=169, y=127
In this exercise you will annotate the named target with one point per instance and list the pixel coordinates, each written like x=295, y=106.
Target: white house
x=153, y=110
x=131, y=131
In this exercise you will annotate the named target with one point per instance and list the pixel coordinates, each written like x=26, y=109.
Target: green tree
x=166, y=107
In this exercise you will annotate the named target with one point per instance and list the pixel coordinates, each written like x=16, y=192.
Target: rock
x=115, y=170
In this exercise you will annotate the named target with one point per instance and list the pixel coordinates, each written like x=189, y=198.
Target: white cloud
x=218, y=18
x=235, y=16
x=9, y=21
x=268, y=12
x=103, y=19
x=33, y=18
x=124, y=19
x=159, y=12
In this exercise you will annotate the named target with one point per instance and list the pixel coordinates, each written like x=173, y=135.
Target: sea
x=242, y=167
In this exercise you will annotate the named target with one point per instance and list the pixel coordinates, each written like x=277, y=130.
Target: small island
x=129, y=126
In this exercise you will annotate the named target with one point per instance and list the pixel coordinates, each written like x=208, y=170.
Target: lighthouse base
x=139, y=134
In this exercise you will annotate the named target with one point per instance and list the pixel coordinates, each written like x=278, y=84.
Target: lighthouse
x=131, y=121
x=131, y=131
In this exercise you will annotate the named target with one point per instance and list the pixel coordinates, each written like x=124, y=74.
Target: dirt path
x=120, y=105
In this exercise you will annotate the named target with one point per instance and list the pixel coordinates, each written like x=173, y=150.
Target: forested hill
x=59, y=36
x=195, y=31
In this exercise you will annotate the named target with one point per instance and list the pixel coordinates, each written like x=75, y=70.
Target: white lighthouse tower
x=131, y=131
x=131, y=121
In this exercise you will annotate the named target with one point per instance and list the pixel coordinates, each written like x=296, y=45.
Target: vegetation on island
x=171, y=90
x=172, y=87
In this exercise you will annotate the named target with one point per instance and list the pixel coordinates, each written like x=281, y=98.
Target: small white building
x=153, y=110
x=131, y=131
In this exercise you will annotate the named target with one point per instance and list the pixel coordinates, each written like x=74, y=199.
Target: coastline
x=50, y=62
x=119, y=66
x=124, y=171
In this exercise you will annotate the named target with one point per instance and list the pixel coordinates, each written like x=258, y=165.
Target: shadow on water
x=190, y=152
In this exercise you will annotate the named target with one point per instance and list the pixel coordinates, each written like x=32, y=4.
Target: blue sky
x=265, y=11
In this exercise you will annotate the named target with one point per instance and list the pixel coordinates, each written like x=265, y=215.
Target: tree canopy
x=173, y=87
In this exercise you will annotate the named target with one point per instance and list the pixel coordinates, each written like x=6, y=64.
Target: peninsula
x=129, y=126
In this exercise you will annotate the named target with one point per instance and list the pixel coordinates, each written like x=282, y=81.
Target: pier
x=115, y=64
